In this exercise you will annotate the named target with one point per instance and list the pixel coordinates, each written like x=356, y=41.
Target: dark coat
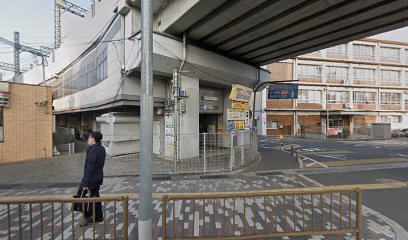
x=93, y=169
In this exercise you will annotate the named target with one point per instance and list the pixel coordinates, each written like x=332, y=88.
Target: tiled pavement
x=192, y=221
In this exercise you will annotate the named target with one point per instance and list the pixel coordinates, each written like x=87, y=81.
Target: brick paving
x=60, y=176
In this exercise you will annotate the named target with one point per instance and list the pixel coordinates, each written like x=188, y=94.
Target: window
x=364, y=97
x=391, y=119
x=390, y=76
x=360, y=50
x=390, y=53
x=337, y=97
x=309, y=71
x=364, y=74
x=390, y=98
x=339, y=49
x=309, y=96
x=272, y=125
x=337, y=73
x=90, y=72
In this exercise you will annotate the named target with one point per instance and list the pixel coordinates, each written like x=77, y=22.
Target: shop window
x=272, y=125
x=391, y=119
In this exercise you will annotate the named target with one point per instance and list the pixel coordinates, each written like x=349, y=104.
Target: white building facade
x=96, y=71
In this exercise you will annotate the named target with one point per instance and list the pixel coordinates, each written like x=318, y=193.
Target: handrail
x=289, y=205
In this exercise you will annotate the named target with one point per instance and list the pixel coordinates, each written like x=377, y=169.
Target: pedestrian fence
x=53, y=218
x=263, y=214
x=200, y=152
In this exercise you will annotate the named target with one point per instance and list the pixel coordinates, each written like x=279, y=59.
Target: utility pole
x=146, y=123
x=16, y=54
x=67, y=6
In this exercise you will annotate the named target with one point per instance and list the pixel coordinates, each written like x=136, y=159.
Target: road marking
x=335, y=156
x=364, y=162
x=366, y=186
x=313, y=162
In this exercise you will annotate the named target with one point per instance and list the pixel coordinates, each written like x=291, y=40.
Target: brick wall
x=279, y=103
x=285, y=120
x=316, y=80
x=311, y=123
x=364, y=106
x=27, y=129
x=336, y=56
x=281, y=71
x=335, y=106
x=363, y=82
x=309, y=106
x=390, y=107
x=363, y=120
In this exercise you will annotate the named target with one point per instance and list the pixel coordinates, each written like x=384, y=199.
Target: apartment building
x=348, y=86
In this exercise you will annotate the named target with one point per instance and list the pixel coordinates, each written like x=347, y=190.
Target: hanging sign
x=240, y=93
x=239, y=105
x=235, y=114
x=283, y=91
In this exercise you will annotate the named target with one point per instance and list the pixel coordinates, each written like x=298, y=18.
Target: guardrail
x=53, y=218
x=265, y=214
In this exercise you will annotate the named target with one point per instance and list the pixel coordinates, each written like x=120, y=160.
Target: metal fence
x=53, y=218
x=205, y=153
x=342, y=132
x=265, y=214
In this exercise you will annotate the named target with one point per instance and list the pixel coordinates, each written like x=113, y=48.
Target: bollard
x=281, y=141
x=291, y=149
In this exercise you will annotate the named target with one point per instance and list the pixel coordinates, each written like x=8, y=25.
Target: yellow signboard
x=240, y=93
x=238, y=105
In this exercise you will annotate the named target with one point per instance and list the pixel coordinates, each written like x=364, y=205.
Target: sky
x=34, y=19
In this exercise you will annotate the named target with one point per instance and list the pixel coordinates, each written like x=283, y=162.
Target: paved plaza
x=41, y=178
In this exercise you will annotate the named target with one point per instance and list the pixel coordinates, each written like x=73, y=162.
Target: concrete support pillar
x=323, y=73
x=189, y=120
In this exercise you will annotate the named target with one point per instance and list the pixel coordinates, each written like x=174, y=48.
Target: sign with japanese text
x=239, y=105
x=240, y=93
x=283, y=91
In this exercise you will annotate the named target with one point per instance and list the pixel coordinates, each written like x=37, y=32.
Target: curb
x=400, y=232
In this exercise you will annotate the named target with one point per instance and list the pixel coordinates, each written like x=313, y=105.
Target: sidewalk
x=374, y=226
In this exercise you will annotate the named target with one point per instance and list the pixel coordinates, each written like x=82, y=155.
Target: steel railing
x=265, y=214
x=203, y=152
x=53, y=218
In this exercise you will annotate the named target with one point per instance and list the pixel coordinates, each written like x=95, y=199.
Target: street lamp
x=256, y=89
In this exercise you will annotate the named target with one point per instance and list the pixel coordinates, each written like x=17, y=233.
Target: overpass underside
x=259, y=32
